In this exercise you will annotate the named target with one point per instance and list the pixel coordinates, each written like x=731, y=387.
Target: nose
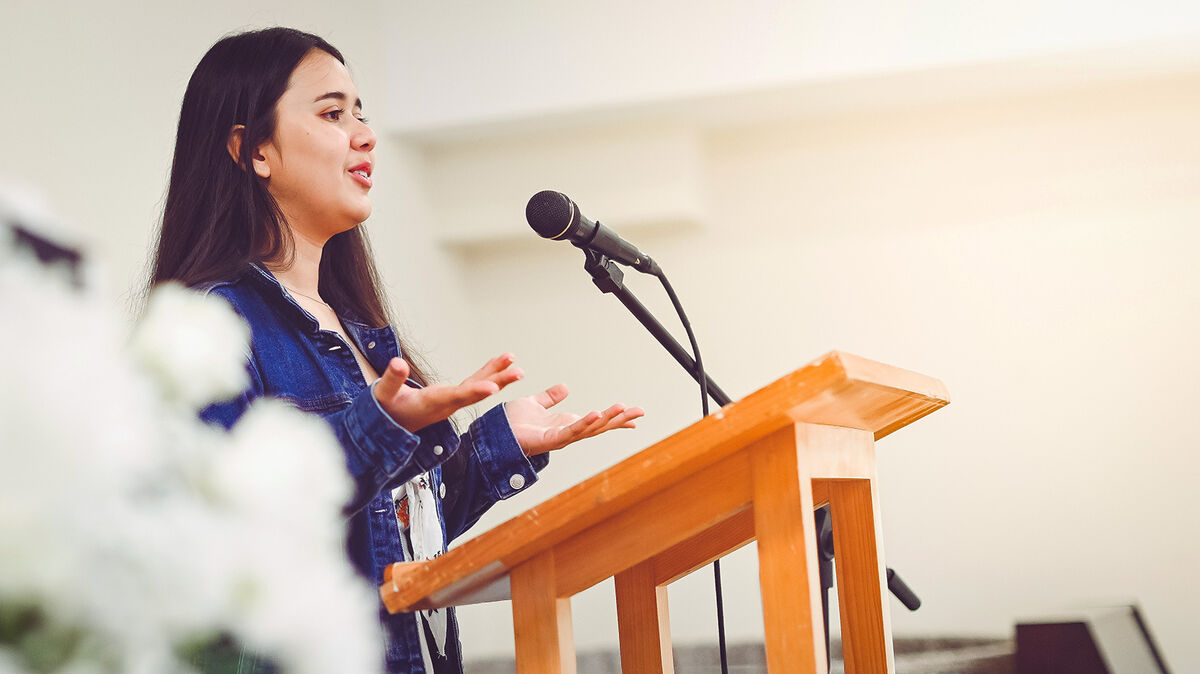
x=363, y=138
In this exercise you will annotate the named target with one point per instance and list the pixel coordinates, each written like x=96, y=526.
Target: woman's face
x=318, y=164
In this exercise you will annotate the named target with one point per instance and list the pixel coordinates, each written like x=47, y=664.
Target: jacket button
x=438, y=449
x=371, y=345
x=442, y=490
x=516, y=481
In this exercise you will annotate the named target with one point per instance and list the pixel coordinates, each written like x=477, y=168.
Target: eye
x=333, y=115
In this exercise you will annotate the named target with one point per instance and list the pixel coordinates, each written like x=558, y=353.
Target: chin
x=364, y=211
x=358, y=216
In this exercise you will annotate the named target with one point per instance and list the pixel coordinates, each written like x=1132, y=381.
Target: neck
x=303, y=273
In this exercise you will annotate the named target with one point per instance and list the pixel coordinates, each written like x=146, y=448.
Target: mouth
x=362, y=173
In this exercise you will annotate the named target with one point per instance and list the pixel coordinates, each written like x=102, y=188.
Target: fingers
x=538, y=430
x=473, y=392
x=617, y=416
x=492, y=367
x=603, y=420
x=448, y=399
x=626, y=419
x=507, y=377
x=558, y=437
x=552, y=396
x=595, y=423
x=499, y=370
x=392, y=380
x=495, y=374
x=578, y=430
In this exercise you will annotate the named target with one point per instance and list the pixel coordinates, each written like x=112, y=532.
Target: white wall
x=1033, y=252
x=1030, y=245
x=461, y=63
x=1032, y=249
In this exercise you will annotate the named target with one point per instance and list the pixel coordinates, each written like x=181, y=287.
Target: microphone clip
x=605, y=273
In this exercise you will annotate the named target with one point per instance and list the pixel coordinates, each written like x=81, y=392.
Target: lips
x=362, y=173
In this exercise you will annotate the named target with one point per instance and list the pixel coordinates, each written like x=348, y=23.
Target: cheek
x=332, y=155
x=312, y=160
x=318, y=178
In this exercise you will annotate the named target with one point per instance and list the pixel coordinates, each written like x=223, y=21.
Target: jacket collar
x=262, y=277
x=358, y=330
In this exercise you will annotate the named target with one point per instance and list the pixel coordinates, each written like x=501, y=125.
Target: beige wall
x=1032, y=248
x=1003, y=198
x=1035, y=252
x=465, y=62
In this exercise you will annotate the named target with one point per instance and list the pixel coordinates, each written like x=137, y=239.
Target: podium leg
x=861, y=579
x=644, y=622
x=541, y=620
x=787, y=557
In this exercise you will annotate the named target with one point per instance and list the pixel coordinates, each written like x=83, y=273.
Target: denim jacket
x=293, y=359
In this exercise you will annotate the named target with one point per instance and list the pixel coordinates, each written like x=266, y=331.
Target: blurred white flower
x=193, y=345
x=75, y=419
x=130, y=526
x=295, y=513
x=308, y=482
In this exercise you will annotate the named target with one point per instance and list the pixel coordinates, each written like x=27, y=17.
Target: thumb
x=392, y=381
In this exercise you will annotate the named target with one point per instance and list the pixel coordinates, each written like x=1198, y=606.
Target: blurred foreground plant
x=133, y=537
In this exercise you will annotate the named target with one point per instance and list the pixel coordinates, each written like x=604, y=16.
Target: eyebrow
x=337, y=95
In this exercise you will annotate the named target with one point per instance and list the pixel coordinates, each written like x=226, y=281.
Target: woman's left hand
x=539, y=430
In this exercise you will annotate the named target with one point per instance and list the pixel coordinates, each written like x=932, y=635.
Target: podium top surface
x=838, y=389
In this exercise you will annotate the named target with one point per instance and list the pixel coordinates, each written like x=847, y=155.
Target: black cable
x=687, y=327
x=699, y=375
x=720, y=616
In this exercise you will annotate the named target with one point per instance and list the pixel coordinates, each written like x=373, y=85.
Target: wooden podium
x=754, y=470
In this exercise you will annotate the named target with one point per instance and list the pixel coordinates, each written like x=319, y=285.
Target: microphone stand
x=609, y=278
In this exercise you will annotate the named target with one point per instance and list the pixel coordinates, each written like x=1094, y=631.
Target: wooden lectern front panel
x=671, y=516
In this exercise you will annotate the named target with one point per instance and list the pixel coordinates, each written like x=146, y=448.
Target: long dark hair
x=219, y=217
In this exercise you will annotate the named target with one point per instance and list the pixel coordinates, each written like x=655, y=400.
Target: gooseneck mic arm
x=554, y=216
x=610, y=279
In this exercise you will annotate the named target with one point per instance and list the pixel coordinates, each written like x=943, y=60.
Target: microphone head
x=550, y=214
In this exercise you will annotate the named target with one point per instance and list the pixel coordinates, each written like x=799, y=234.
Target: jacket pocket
x=323, y=405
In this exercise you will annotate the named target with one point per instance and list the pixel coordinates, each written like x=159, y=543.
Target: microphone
x=554, y=216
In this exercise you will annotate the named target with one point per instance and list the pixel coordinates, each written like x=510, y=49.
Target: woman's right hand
x=415, y=408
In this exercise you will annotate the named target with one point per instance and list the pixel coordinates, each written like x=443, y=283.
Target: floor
x=914, y=656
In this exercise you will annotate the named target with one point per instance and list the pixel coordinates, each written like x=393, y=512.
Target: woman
x=270, y=181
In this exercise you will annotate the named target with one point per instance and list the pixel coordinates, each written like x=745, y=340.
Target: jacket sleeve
x=489, y=466
x=378, y=451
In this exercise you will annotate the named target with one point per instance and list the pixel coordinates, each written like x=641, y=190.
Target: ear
x=234, y=146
